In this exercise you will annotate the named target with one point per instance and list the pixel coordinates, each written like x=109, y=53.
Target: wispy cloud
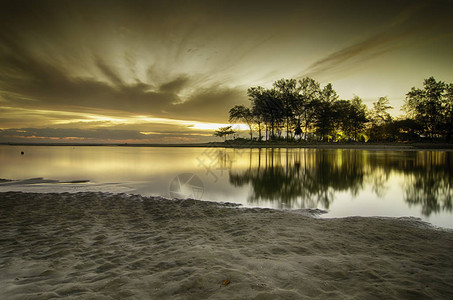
x=51, y=87
x=64, y=135
x=352, y=56
x=407, y=29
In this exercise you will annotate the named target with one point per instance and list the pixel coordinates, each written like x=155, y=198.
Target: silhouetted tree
x=257, y=97
x=301, y=107
x=304, y=106
x=224, y=132
x=342, y=122
x=379, y=114
x=380, y=119
x=425, y=106
x=242, y=113
x=358, y=118
x=267, y=107
x=286, y=90
x=403, y=130
x=325, y=116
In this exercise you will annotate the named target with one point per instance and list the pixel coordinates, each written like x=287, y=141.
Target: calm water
x=343, y=182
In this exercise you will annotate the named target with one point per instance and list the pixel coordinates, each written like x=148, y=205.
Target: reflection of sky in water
x=345, y=182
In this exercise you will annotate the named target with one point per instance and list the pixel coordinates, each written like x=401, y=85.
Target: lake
x=343, y=182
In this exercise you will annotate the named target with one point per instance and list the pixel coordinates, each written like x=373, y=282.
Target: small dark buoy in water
x=22, y=153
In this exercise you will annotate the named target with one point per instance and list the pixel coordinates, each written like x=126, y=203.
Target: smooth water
x=343, y=182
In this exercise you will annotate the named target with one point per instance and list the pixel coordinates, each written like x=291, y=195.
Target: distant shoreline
x=249, y=145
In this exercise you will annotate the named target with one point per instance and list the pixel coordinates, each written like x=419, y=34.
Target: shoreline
x=101, y=245
x=248, y=145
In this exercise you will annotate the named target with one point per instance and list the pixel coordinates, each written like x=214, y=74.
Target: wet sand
x=116, y=246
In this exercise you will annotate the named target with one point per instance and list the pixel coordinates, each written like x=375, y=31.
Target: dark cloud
x=24, y=74
x=175, y=85
x=109, y=73
x=210, y=104
x=52, y=87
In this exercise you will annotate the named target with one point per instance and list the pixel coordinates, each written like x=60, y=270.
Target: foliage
x=224, y=132
x=350, y=117
x=302, y=109
x=431, y=107
x=380, y=119
x=379, y=114
x=286, y=91
x=242, y=113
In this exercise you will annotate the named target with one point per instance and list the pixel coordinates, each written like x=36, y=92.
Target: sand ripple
x=113, y=246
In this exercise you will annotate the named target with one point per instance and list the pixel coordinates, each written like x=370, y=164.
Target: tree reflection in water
x=429, y=182
x=302, y=178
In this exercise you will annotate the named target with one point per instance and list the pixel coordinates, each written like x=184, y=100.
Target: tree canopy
x=432, y=108
x=303, y=110
x=224, y=132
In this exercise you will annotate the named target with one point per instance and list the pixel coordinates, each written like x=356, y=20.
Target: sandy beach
x=117, y=246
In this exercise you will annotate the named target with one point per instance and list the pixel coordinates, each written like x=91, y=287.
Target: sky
x=169, y=71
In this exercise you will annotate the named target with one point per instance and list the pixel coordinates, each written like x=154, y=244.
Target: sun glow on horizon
x=149, y=126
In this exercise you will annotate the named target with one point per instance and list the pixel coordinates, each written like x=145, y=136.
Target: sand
x=116, y=246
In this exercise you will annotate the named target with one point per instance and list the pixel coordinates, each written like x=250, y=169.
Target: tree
x=403, y=130
x=224, y=132
x=379, y=114
x=301, y=106
x=266, y=107
x=258, y=121
x=244, y=114
x=286, y=91
x=256, y=96
x=309, y=94
x=380, y=119
x=357, y=116
x=349, y=118
x=425, y=106
x=341, y=110
x=325, y=112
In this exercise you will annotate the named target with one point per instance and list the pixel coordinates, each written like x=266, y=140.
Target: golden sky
x=169, y=71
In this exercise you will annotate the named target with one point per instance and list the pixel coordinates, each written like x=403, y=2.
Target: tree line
x=296, y=110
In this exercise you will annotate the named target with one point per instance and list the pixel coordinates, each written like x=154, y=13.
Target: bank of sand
x=106, y=246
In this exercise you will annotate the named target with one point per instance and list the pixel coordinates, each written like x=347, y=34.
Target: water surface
x=343, y=182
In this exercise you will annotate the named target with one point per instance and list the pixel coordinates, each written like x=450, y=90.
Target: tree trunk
x=259, y=131
x=272, y=130
x=306, y=125
x=287, y=129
